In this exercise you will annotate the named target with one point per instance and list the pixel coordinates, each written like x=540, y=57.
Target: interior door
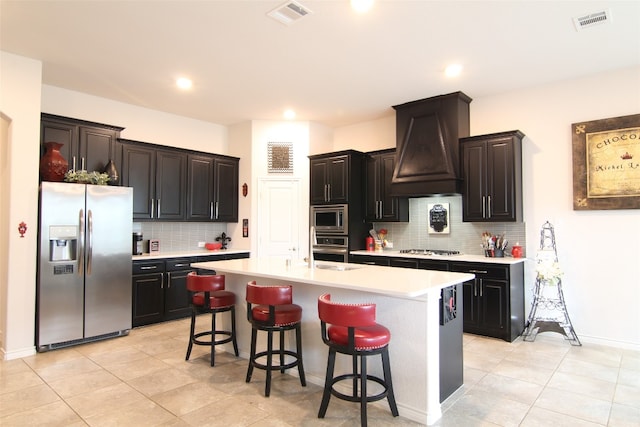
x=279, y=218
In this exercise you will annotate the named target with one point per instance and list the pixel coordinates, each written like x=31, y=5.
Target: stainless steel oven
x=331, y=248
x=330, y=219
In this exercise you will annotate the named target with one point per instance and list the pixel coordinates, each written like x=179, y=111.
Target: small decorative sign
x=606, y=163
x=280, y=157
x=438, y=218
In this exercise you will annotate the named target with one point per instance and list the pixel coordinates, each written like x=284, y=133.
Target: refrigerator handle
x=81, y=248
x=89, y=241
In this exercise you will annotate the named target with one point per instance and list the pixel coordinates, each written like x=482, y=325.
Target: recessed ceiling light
x=184, y=83
x=453, y=70
x=361, y=6
x=289, y=114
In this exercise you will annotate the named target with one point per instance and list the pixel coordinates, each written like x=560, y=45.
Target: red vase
x=52, y=165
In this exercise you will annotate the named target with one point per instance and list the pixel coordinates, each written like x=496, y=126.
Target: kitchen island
x=408, y=303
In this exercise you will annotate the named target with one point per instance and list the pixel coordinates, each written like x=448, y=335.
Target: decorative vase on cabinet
x=110, y=169
x=53, y=165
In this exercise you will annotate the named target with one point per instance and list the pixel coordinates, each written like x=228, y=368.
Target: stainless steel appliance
x=330, y=219
x=331, y=248
x=84, y=264
x=429, y=252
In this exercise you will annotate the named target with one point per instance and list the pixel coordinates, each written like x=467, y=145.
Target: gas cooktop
x=429, y=252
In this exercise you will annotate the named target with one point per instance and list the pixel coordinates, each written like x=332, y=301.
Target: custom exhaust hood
x=427, y=133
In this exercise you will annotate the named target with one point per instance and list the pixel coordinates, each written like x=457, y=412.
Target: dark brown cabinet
x=492, y=173
x=158, y=178
x=212, y=188
x=160, y=290
x=86, y=145
x=493, y=303
x=379, y=205
x=335, y=176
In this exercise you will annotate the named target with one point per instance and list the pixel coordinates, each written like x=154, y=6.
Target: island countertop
x=395, y=282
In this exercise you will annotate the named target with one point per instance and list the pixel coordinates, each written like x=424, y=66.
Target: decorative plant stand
x=548, y=308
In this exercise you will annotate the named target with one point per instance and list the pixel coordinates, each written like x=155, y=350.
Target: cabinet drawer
x=178, y=264
x=145, y=267
x=482, y=271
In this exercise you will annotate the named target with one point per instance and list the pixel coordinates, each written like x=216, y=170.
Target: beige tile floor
x=143, y=380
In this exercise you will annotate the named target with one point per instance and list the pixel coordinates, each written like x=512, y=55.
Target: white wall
x=20, y=110
x=141, y=124
x=599, y=251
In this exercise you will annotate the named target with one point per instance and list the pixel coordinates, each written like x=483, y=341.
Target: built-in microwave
x=333, y=219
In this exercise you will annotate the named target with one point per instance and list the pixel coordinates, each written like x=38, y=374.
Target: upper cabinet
x=86, y=145
x=492, y=173
x=379, y=205
x=212, y=188
x=335, y=177
x=158, y=178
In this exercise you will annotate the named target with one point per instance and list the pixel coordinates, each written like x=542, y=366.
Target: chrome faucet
x=312, y=242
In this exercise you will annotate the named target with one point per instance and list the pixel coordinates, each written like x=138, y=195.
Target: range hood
x=427, y=133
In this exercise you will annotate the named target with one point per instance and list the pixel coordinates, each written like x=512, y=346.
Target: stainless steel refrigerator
x=84, y=264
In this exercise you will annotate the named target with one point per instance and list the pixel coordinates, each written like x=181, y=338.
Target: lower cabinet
x=493, y=303
x=160, y=287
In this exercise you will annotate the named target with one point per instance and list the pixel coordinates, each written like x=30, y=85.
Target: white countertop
x=180, y=254
x=390, y=281
x=459, y=257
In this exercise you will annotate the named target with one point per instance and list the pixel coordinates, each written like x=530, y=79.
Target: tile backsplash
x=463, y=236
x=180, y=236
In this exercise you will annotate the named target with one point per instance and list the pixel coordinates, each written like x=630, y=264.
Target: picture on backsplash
x=438, y=218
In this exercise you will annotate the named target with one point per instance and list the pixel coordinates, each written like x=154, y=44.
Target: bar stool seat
x=207, y=295
x=351, y=329
x=270, y=309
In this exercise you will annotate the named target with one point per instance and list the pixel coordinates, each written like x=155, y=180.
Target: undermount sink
x=345, y=267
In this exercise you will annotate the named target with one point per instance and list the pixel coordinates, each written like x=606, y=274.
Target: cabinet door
x=138, y=171
x=318, y=181
x=338, y=179
x=171, y=172
x=474, y=173
x=148, y=299
x=393, y=208
x=371, y=196
x=470, y=306
x=500, y=180
x=176, y=303
x=225, y=180
x=96, y=147
x=62, y=133
x=370, y=260
x=403, y=262
x=200, y=188
x=494, y=309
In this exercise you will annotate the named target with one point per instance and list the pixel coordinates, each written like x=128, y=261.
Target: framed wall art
x=280, y=157
x=606, y=163
x=438, y=218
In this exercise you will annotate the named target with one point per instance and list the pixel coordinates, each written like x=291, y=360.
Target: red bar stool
x=270, y=309
x=352, y=330
x=207, y=295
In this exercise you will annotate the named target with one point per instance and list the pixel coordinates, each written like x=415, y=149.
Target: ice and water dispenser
x=63, y=243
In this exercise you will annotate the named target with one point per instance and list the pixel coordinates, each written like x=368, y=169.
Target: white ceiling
x=333, y=66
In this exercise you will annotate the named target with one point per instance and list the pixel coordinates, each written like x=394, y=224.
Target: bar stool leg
x=282, y=351
x=191, y=333
x=267, y=387
x=252, y=356
x=213, y=338
x=233, y=330
x=328, y=383
x=386, y=368
x=363, y=391
x=303, y=380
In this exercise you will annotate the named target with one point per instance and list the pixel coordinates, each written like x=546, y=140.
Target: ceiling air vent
x=289, y=12
x=592, y=19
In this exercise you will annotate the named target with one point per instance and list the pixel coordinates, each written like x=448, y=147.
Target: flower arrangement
x=548, y=268
x=84, y=177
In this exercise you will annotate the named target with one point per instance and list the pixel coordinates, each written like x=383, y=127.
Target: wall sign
x=438, y=218
x=280, y=157
x=606, y=163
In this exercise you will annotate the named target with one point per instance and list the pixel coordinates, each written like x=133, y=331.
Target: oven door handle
x=325, y=250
